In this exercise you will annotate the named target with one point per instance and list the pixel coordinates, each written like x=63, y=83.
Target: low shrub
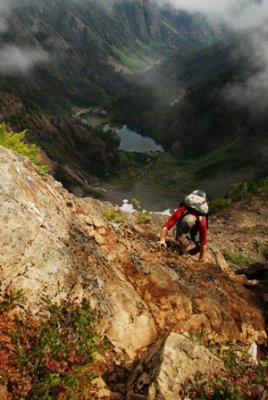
x=218, y=204
x=238, y=259
x=111, y=214
x=261, y=248
x=237, y=192
x=242, y=379
x=143, y=217
x=17, y=143
x=53, y=359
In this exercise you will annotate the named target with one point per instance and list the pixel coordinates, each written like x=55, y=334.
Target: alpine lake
x=148, y=173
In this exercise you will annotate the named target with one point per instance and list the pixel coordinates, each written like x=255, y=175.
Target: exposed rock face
x=168, y=366
x=55, y=245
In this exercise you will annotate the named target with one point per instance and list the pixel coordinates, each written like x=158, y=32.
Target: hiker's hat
x=188, y=222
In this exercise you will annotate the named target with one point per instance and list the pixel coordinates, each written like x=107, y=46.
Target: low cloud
x=253, y=92
x=3, y=15
x=3, y=25
x=239, y=14
x=18, y=60
x=250, y=17
x=14, y=59
x=205, y=6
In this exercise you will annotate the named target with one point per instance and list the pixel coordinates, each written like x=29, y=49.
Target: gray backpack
x=197, y=202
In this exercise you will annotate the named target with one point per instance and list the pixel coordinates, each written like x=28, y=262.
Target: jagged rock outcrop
x=168, y=366
x=55, y=245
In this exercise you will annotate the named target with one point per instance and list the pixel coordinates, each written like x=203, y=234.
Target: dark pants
x=192, y=237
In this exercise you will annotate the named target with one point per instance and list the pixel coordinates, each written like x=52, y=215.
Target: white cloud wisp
x=14, y=59
x=250, y=17
x=18, y=60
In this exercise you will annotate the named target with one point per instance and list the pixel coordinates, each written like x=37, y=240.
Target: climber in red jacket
x=187, y=221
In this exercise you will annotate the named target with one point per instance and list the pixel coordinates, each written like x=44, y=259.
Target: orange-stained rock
x=56, y=245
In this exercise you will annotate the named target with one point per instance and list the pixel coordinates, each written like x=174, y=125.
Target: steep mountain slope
x=63, y=247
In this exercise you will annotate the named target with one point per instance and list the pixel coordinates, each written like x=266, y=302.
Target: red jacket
x=202, y=226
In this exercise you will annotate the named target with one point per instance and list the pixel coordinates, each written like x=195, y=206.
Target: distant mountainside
x=185, y=103
x=86, y=44
x=60, y=54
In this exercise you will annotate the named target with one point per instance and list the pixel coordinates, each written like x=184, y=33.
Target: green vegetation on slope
x=243, y=378
x=239, y=191
x=15, y=141
x=52, y=359
x=132, y=62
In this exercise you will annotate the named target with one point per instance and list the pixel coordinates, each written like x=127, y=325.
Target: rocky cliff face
x=56, y=245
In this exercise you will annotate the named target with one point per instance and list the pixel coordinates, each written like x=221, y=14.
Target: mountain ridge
x=80, y=49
